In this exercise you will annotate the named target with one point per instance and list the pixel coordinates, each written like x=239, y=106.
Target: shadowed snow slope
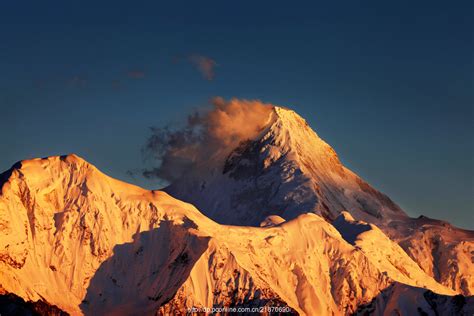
x=92, y=245
x=399, y=299
x=288, y=170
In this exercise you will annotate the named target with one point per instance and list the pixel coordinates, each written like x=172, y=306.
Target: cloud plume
x=204, y=64
x=207, y=137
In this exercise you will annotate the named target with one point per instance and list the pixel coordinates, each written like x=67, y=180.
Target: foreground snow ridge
x=93, y=245
x=89, y=244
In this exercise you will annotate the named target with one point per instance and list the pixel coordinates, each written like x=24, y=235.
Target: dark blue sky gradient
x=388, y=85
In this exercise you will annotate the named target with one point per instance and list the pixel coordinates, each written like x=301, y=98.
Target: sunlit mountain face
x=260, y=216
x=236, y=158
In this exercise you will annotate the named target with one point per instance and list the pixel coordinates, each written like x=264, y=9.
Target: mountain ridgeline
x=277, y=223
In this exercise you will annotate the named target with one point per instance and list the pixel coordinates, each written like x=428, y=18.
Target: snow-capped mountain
x=89, y=244
x=440, y=249
x=289, y=170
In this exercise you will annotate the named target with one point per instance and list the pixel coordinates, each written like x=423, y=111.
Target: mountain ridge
x=287, y=170
x=84, y=233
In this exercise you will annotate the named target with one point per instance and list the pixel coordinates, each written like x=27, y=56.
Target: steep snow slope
x=60, y=219
x=383, y=252
x=442, y=250
x=288, y=170
x=93, y=245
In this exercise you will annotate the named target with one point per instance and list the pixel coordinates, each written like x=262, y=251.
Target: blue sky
x=388, y=85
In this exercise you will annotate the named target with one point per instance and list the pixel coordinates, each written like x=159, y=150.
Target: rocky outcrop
x=11, y=304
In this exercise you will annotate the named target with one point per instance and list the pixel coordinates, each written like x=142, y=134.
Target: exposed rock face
x=11, y=304
x=93, y=245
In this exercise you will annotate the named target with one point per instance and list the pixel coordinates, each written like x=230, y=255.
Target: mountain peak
x=286, y=170
x=290, y=118
x=31, y=166
x=288, y=115
x=71, y=171
x=291, y=133
x=36, y=162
